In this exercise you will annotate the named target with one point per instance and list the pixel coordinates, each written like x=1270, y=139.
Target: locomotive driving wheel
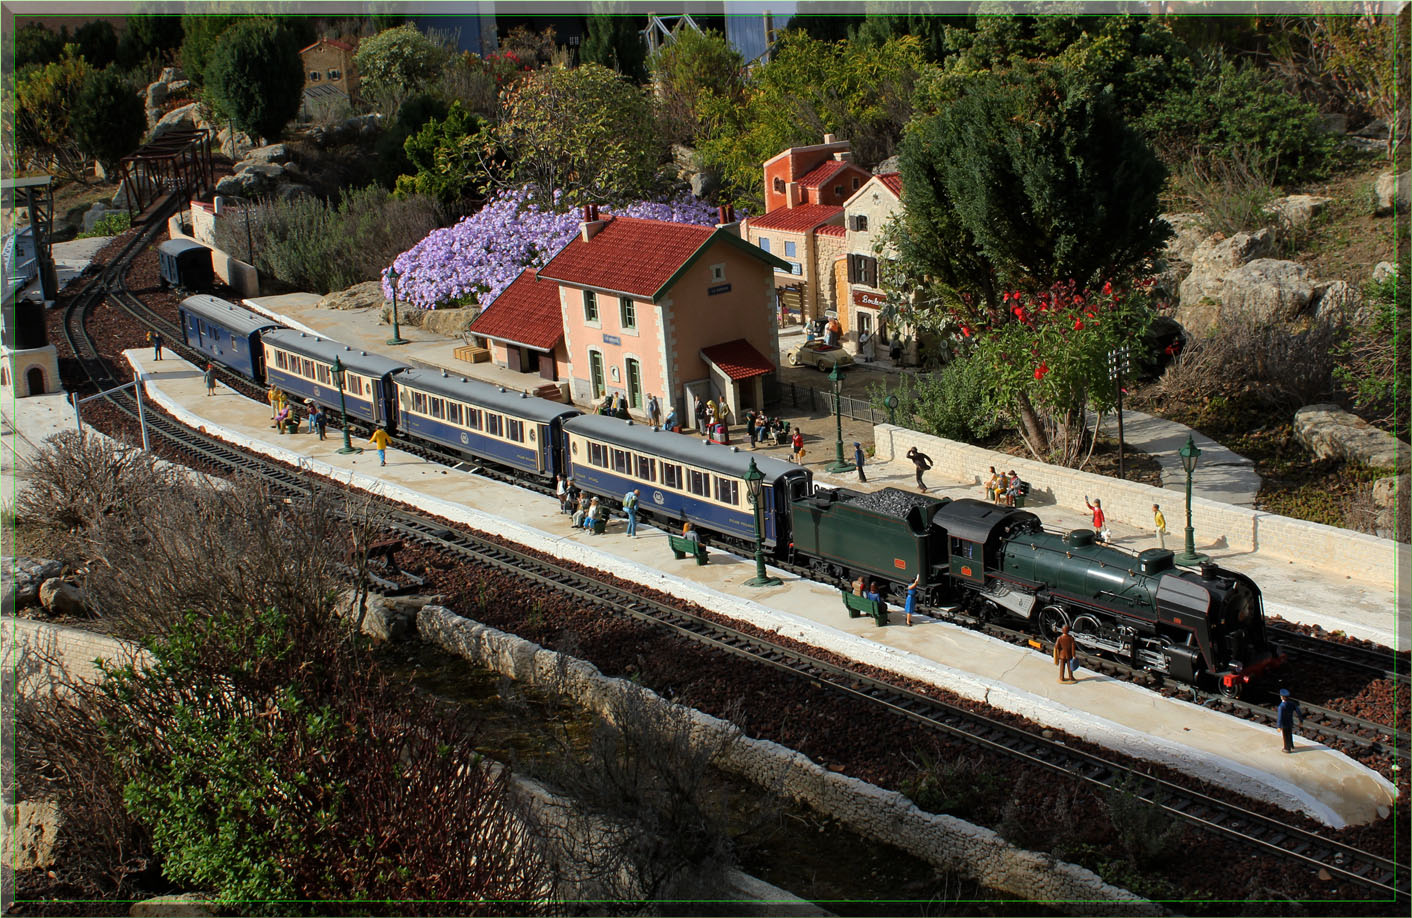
x=1051, y=621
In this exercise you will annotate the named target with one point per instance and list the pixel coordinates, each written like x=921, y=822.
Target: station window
x=646, y=468
x=335, y=74
x=789, y=249
x=718, y=273
x=514, y=430
x=627, y=311
x=494, y=424
x=728, y=491
x=671, y=476
x=779, y=185
x=698, y=483
x=590, y=306
x=315, y=76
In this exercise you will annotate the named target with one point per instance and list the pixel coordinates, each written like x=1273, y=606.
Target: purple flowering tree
x=477, y=258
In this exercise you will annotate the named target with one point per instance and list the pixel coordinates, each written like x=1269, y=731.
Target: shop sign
x=873, y=300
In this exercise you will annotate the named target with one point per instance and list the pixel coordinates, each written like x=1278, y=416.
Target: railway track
x=1273, y=836
x=1379, y=663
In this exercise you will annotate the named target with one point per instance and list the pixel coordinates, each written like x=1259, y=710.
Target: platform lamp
x=343, y=407
x=753, y=479
x=838, y=466
x=392, y=277
x=1189, y=454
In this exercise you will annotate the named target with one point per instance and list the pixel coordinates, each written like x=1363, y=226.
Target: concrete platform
x=1292, y=592
x=1317, y=780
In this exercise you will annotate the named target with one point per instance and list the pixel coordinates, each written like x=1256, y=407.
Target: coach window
x=453, y=412
x=514, y=430
x=646, y=468
x=627, y=311
x=493, y=424
x=473, y=418
x=324, y=376
x=590, y=307
x=728, y=491
x=671, y=476
x=698, y=483
x=598, y=455
x=438, y=409
x=621, y=464
x=354, y=385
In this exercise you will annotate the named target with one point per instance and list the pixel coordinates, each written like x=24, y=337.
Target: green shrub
x=113, y=224
x=1236, y=110
x=956, y=402
x=315, y=245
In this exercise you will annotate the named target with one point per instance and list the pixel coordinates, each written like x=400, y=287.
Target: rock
x=183, y=118
x=94, y=214
x=1375, y=129
x=291, y=190
x=1334, y=123
x=178, y=87
x=1392, y=193
x=1199, y=294
x=156, y=94
x=252, y=181
x=1298, y=210
x=272, y=153
x=891, y=164
x=24, y=576
x=1329, y=432
x=1385, y=490
x=449, y=322
x=120, y=201
x=359, y=296
x=1267, y=287
x=31, y=828
x=59, y=597
x=407, y=316
x=1332, y=299
x=171, y=74
x=705, y=184
x=182, y=905
x=1383, y=270
x=1188, y=232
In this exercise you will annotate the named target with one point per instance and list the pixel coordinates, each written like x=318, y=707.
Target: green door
x=634, y=384
x=595, y=364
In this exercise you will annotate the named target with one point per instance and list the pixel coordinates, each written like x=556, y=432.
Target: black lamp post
x=838, y=466
x=343, y=407
x=891, y=404
x=753, y=478
x=1189, y=454
x=1117, y=366
x=396, y=338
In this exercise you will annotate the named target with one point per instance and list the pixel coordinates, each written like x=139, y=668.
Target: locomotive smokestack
x=1208, y=570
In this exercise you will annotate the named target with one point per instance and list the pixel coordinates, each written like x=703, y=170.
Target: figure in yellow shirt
x=379, y=441
x=1160, y=523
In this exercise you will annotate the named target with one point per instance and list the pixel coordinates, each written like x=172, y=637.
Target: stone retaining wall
x=1224, y=526
x=948, y=843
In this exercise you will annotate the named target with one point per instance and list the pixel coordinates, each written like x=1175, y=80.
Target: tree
x=615, y=41
x=44, y=100
x=256, y=78
x=586, y=134
x=1027, y=189
x=685, y=72
x=36, y=46
x=809, y=88
x=390, y=147
x=97, y=42
x=396, y=63
x=148, y=37
x=108, y=117
x=444, y=156
x=200, y=33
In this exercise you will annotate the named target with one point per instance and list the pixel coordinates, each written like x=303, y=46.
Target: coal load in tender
x=888, y=501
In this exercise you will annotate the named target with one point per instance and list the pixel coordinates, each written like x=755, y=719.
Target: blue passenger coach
x=225, y=332
x=682, y=477
x=302, y=365
x=186, y=264
x=509, y=428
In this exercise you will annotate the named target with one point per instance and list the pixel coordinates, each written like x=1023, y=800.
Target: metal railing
x=820, y=401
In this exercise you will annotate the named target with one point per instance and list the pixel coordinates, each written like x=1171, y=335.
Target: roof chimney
x=591, y=224
x=791, y=194
x=725, y=219
x=828, y=138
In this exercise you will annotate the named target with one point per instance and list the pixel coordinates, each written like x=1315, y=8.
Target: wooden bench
x=859, y=605
x=681, y=547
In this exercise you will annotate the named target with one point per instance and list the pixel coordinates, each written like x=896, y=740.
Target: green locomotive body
x=886, y=535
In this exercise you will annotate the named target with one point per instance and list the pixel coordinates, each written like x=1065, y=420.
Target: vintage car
x=819, y=354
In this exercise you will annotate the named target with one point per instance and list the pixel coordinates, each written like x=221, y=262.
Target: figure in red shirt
x=1099, y=520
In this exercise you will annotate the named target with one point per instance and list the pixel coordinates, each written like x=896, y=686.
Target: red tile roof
x=893, y=181
x=796, y=219
x=525, y=313
x=738, y=359
x=630, y=255
x=833, y=229
x=821, y=173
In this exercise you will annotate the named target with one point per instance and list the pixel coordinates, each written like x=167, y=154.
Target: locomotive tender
x=996, y=562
